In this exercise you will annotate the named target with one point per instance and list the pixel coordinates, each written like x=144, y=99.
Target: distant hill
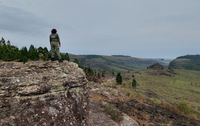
x=121, y=56
x=188, y=62
x=115, y=63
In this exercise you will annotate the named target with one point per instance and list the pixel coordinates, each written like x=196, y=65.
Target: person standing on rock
x=55, y=44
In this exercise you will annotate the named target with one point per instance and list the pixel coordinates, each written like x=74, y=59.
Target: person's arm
x=58, y=39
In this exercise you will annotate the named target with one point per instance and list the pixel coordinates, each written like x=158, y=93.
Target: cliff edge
x=42, y=94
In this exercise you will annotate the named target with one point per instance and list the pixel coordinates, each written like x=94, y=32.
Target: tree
x=24, y=52
x=16, y=54
x=3, y=41
x=32, y=53
x=90, y=71
x=23, y=59
x=103, y=73
x=31, y=48
x=99, y=75
x=134, y=83
x=45, y=53
x=119, y=78
x=45, y=50
x=40, y=50
x=67, y=56
x=9, y=53
x=76, y=61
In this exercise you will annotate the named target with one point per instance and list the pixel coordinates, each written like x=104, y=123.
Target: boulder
x=128, y=121
x=41, y=93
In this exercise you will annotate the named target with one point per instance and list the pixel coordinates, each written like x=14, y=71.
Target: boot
x=60, y=60
x=52, y=59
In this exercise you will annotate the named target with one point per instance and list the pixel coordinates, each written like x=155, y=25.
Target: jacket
x=54, y=37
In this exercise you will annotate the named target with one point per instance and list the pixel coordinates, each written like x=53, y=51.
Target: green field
x=184, y=86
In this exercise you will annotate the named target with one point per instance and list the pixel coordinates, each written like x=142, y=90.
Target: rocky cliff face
x=43, y=94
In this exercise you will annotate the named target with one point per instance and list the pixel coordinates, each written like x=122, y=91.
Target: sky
x=138, y=28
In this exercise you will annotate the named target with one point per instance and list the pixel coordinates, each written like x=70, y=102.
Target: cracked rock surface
x=41, y=93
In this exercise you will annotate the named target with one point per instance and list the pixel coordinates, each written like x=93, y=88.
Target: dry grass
x=98, y=98
x=112, y=112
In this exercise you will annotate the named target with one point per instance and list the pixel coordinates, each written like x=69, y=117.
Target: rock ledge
x=43, y=93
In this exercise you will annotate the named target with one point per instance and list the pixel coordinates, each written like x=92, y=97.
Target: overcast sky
x=138, y=28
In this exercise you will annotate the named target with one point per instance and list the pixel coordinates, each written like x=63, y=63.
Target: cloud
x=20, y=21
x=132, y=27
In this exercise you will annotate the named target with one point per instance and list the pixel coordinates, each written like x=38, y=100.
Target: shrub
x=103, y=73
x=114, y=114
x=41, y=56
x=128, y=94
x=113, y=73
x=184, y=107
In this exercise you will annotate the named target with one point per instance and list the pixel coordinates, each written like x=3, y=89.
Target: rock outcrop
x=157, y=69
x=43, y=94
x=156, y=66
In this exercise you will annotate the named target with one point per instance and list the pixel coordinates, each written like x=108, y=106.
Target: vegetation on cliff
x=188, y=62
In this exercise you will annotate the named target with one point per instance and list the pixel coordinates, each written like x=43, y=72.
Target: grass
x=112, y=112
x=181, y=87
x=168, y=91
x=175, y=89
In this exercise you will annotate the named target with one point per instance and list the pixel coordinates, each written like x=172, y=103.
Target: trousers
x=55, y=49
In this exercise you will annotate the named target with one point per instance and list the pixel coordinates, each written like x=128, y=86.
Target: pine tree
x=119, y=78
x=76, y=61
x=40, y=50
x=31, y=48
x=67, y=56
x=99, y=75
x=32, y=53
x=45, y=50
x=45, y=53
x=134, y=83
x=24, y=51
x=23, y=55
x=16, y=54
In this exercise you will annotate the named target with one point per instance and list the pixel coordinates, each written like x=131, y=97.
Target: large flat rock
x=43, y=93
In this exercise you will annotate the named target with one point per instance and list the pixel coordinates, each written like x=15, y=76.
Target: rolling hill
x=188, y=62
x=115, y=63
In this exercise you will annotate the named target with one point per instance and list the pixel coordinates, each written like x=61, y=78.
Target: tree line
x=11, y=53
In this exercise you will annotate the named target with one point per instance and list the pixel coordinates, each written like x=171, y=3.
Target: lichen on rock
x=43, y=93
